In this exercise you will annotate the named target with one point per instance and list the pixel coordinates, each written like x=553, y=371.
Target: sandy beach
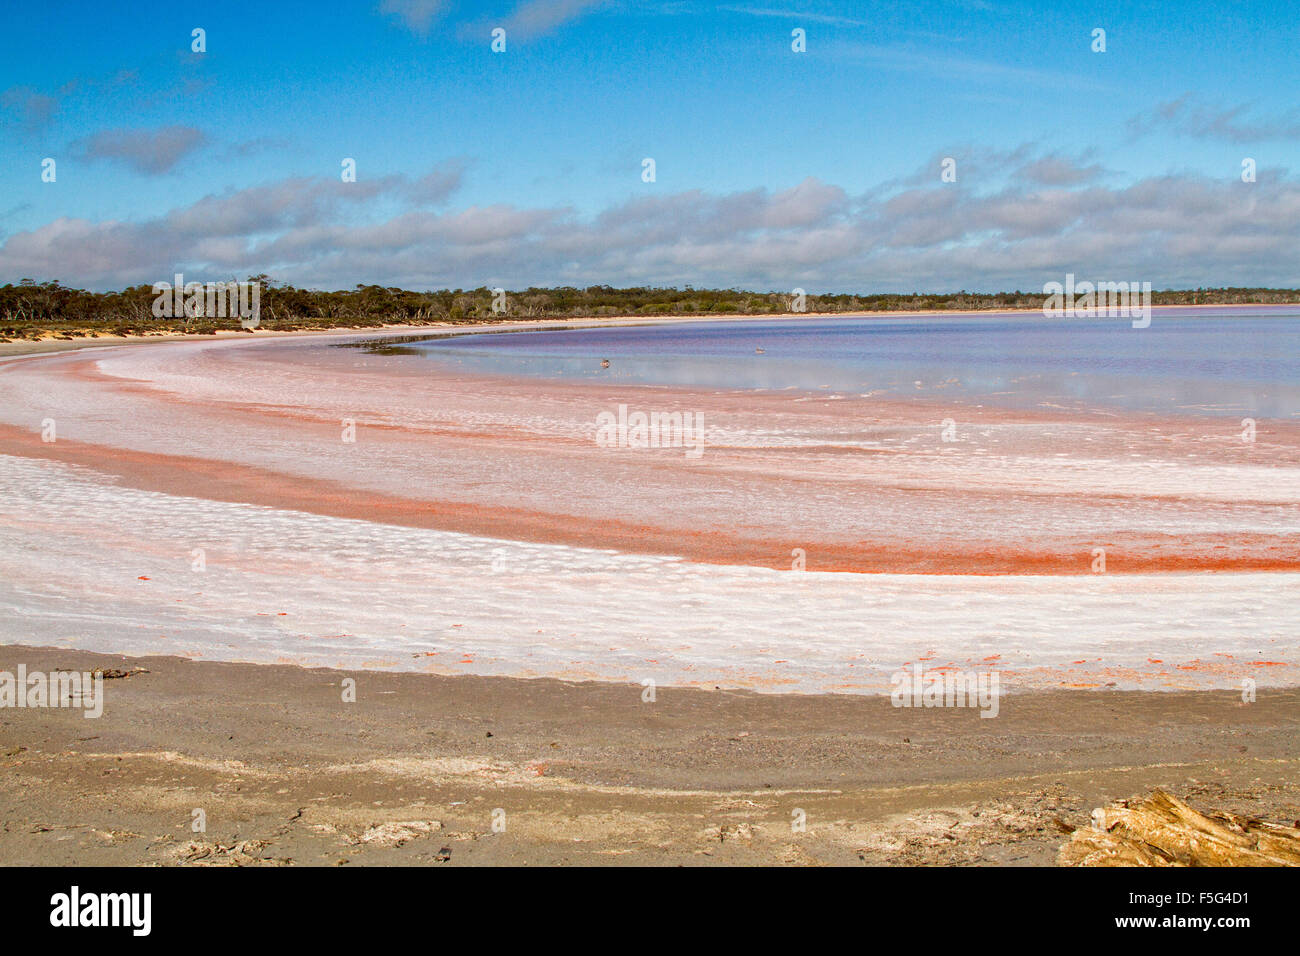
x=256, y=518
x=588, y=773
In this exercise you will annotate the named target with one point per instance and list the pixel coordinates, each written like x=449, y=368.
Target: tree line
x=30, y=309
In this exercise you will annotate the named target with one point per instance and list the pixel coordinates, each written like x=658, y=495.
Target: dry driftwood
x=1161, y=830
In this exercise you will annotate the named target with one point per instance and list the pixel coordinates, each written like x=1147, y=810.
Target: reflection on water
x=1227, y=362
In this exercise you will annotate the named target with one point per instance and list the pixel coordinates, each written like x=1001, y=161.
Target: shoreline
x=285, y=772
x=500, y=538
x=844, y=446
x=49, y=343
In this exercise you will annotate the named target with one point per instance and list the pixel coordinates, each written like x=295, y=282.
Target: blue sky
x=774, y=169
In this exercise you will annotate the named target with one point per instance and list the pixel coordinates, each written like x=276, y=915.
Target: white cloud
x=1174, y=231
x=148, y=151
x=800, y=15
x=1232, y=124
x=33, y=110
x=417, y=15
x=537, y=17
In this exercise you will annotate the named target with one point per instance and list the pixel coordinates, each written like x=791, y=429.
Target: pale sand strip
x=412, y=772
